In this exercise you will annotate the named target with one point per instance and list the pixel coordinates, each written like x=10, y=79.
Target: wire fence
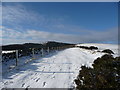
x=15, y=58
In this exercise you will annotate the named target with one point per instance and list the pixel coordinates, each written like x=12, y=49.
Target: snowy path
x=53, y=71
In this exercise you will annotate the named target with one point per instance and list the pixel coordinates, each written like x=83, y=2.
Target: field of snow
x=101, y=47
x=56, y=70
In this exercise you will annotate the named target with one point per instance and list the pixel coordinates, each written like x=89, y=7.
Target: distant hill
x=33, y=45
x=55, y=44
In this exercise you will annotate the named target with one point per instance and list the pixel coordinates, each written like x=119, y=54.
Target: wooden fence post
x=33, y=53
x=53, y=48
x=48, y=50
x=16, y=57
x=42, y=51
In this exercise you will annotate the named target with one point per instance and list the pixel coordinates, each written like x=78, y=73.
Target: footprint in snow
x=53, y=77
x=37, y=79
x=44, y=84
x=6, y=83
x=11, y=81
x=35, y=73
x=23, y=84
x=31, y=74
x=28, y=86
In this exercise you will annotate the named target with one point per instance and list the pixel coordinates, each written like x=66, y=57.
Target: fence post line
x=16, y=57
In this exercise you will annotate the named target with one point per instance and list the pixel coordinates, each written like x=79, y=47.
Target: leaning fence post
x=16, y=57
x=33, y=53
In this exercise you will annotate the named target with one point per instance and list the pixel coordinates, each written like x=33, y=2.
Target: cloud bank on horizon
x=38, y=22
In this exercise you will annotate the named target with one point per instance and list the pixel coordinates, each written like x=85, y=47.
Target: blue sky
x=63, y=21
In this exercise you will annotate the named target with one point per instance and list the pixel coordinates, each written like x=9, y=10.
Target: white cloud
x=13, y=36
x=20, y=16
x=17, y=15
x=6, y=41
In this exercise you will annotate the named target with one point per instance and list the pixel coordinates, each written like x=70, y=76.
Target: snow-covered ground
x=56, y=70
x=101, y=47
x=8, y=51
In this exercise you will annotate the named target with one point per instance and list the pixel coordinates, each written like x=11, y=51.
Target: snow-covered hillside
x=113, y=47
x=56, y=70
